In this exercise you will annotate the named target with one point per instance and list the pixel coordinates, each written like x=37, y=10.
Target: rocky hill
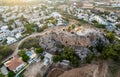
x=79, y=38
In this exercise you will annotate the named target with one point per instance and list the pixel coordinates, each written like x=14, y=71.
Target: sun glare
x=13, y=2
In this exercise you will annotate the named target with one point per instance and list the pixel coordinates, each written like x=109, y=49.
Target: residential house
x=11, y=40
x=83, y=16
x=3, y=36
x=32, y=55
x=18, y=36
x=99, y=19
x=47, y=59
x=4, y=70
x=56, y=15
x=15, y=64
x=4, y=28
x=117, y=32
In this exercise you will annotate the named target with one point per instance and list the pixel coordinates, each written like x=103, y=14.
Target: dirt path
x=16, y=45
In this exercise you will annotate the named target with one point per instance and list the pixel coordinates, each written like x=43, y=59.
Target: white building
x=48, y=59
x=18, y=35
x=99, y=19
x=11, y=40
x=56, y=15
x=4, y=70
x=3, y=36
x=4, y=28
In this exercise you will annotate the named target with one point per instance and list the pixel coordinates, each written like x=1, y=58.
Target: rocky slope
x=79, y=38
x=99, y=69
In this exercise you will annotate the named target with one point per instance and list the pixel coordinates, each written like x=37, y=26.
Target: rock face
x=91, y=70
x=71, y=39
x=79, y=37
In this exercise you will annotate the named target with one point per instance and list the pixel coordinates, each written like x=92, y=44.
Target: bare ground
x=34, y=70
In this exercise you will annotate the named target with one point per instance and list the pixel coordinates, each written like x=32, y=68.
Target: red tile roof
x=14, y=63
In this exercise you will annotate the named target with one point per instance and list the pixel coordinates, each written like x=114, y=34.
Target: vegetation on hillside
x=30, y=42
x=71, y=27
x=96, y=24
x=39, y=50
x=118, y=25
x=67, y=54
x=110, y=36
x=111, y=51
x=1, y=75
x=5, y=51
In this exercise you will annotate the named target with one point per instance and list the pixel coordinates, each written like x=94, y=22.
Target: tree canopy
x=111, y=51
x=30, y=42
x=11, y=74
x=67, y=54
x=24, y=56
x=110, y=36
x=5, y=51
x=39, y=50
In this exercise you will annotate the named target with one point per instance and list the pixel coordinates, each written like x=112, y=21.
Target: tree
x=67, y=54
x=118, y=25
x=1, y=75
x=60, y=45
x=89, y=57
x=11, y=21
x=42, y=57
x=1, y=18
x=111, y=51
x=53, y=20
x=98, y=25
x=100, y=45
x=5, y=51
x=79, y=24
x=11, y=74
x=75, y=62
x=57, y=58
x=71, y=27
x=30, y=42
x=29, y=28
x=110, y=36
x=106, y=12
x=39, y=50
x=24, y=56
x=10, y=28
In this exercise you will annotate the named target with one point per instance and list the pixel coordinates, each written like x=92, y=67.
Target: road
x=117, y=37
x=47, y=31
x=20, y=42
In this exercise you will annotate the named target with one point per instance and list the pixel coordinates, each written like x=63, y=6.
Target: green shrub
x=30, y=42
x=67, y=54
x=5, y=51
x=39, y=50
x=11, y=74
x=24, y=56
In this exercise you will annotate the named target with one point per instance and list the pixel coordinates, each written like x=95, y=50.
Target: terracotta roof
x=14, y=63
